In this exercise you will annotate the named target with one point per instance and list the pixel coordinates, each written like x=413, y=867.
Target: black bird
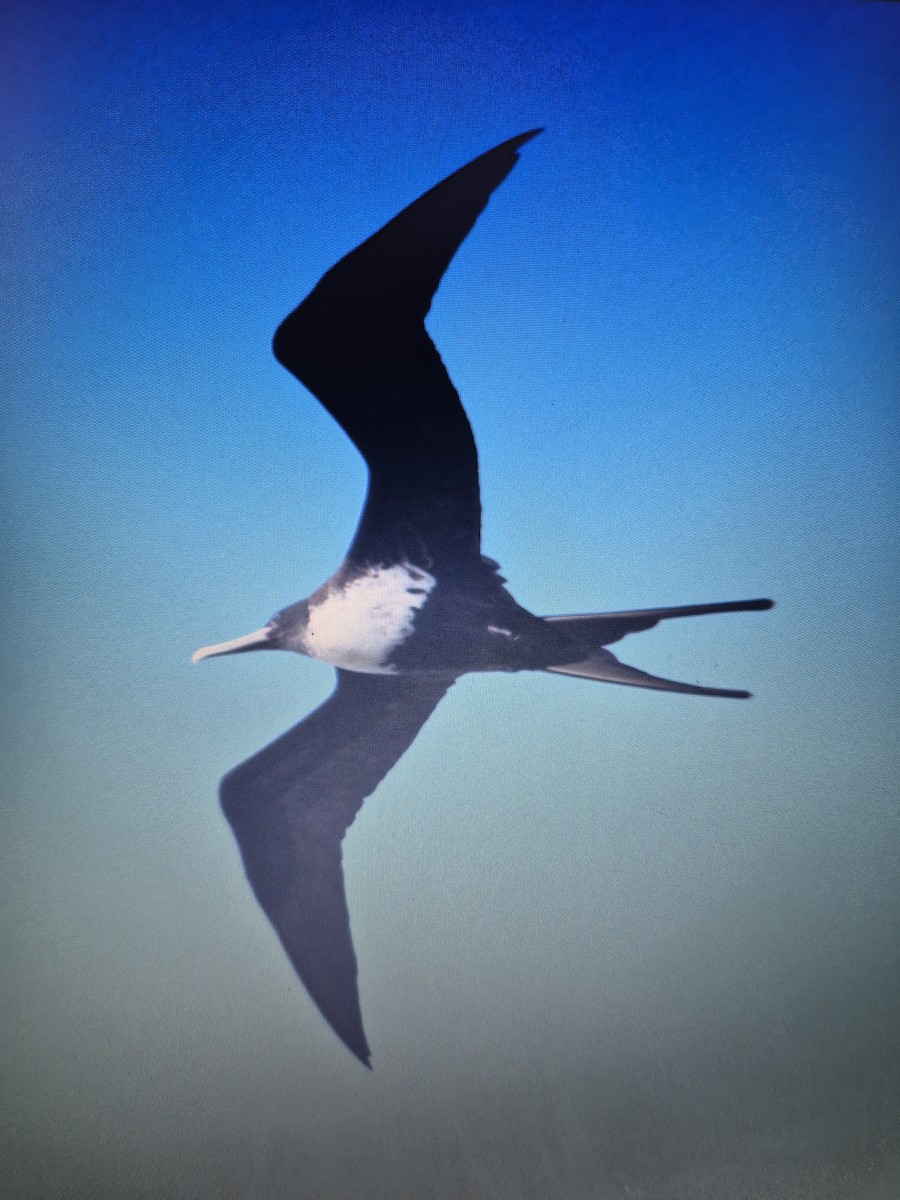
x=414, y=605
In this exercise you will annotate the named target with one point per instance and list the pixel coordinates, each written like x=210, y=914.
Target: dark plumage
x=414, y=605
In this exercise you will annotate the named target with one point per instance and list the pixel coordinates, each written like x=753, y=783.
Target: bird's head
x=280, y=633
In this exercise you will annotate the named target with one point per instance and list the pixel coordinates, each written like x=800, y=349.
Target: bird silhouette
x=414, y=604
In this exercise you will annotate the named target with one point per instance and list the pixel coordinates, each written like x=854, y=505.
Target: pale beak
x=259, y=640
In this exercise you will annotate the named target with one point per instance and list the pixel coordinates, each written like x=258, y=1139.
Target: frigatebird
x=414, y=604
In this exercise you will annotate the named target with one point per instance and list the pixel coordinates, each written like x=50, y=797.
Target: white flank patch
x=360, y=625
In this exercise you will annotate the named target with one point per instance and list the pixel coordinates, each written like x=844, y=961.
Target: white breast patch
x=359, y=625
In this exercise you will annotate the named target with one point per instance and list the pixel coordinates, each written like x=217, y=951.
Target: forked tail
x=591, y=632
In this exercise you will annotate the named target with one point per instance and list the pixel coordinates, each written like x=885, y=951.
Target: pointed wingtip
x=515, y=144
x=382, y=290
x=528, y=135
x=361, y=1053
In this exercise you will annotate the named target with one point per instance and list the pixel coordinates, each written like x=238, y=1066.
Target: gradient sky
x=612, y=943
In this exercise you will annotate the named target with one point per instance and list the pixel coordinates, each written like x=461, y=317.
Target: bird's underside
x=414, y=606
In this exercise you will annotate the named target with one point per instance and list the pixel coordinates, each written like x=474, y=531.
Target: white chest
x=358, y=625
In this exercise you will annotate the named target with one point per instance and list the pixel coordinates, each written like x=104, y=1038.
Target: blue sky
x=607, y=939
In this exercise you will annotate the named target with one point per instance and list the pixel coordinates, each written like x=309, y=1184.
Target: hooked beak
x=261, y=639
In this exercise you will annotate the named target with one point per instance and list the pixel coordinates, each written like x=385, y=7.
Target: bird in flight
x=414, y=604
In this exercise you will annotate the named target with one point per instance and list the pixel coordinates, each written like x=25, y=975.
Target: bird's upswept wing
x=358, y=342
x=290, y=806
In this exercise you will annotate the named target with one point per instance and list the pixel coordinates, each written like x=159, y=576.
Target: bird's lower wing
x=290, y=806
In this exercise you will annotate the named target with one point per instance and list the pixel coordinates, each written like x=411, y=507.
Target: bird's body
x=360, y=618
x=414, y=605
x=398, y=619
